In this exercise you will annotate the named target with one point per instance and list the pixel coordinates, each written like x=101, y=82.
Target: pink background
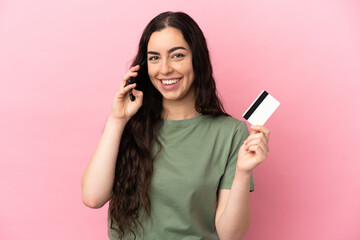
x=61, y=63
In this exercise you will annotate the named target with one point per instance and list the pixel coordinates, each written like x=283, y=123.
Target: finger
x=242, y=150
x=260, y=155
x=135, y=68
x=127, y=77
x=128, y=87
x=254, y=136
x=137, y=93
x=253, y=132
x=258, y=148
x=123, y=91
x=131, y=73
x=259, y=140
x=138, y=97
x=261, y=128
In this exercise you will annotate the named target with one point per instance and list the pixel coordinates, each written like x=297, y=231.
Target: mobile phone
x=134, y=79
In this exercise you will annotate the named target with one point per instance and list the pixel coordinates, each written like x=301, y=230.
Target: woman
x=173, y=163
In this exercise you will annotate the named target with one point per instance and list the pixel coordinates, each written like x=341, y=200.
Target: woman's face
x=170, y=65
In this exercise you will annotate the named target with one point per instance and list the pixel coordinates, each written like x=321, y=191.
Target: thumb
x=137, y=93
x=254, y=132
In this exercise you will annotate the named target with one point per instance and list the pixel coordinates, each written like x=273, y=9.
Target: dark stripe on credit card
x=255, y=105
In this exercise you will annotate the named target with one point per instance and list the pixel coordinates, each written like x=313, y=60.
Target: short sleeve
x=240, y=135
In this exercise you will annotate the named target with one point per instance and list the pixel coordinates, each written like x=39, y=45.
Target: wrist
x=242, y=173
x=113, y=118
x=243, y=179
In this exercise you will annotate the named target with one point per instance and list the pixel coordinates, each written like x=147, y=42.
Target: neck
x=179, y=110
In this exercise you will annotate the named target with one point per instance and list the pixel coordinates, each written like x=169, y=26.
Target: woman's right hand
x=122, y=107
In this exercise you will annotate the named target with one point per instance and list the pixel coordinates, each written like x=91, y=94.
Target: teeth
x=169, y=82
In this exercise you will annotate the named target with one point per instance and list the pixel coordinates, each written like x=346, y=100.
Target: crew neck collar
x=184, y=122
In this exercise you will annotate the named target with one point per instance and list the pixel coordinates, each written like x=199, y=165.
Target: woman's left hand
x=254, y=150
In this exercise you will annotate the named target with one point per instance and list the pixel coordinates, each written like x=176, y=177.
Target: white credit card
x=261, y=109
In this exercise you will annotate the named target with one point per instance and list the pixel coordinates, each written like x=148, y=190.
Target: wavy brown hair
x=134, y=166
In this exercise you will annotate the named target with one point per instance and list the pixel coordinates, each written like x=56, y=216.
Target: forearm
x=98, y=177
x=235, y=219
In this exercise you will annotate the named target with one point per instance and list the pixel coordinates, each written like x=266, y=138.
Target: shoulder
x=225, y=127
x=228, y=122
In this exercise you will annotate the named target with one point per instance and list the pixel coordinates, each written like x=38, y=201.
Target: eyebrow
x=169, y=51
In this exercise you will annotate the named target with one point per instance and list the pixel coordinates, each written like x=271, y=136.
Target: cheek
x=188, y=68
x=153, y=79
x=190, y=72
x=153, y=82
x=150, y=71
x=185, y=68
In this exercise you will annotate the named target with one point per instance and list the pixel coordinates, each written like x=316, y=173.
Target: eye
x=153, y=58
x=178, y=55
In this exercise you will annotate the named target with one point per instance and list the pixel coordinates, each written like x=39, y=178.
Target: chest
x=191, y=161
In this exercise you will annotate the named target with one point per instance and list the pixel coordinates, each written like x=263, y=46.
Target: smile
x=170, y=81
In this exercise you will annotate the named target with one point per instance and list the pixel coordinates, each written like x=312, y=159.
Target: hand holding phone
x=133, y=80
x=122, y=107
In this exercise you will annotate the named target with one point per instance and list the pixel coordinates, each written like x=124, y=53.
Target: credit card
x=261, y=109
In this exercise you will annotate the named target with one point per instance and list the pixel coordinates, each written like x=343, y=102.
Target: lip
x=169, y=87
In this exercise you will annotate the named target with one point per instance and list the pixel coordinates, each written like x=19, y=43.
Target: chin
x=171, y=98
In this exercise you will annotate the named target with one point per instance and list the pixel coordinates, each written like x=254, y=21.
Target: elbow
x=238, y=234
x=92, y=198
x=245, y=230
x=93, y=202
x=242, y=231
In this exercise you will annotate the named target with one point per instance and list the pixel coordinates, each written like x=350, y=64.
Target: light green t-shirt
x=198, y=157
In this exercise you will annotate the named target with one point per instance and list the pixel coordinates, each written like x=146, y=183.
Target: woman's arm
x=233, y=222
x=98, y=178
x=233, y=213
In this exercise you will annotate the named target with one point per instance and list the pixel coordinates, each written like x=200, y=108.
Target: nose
x=165, y=67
